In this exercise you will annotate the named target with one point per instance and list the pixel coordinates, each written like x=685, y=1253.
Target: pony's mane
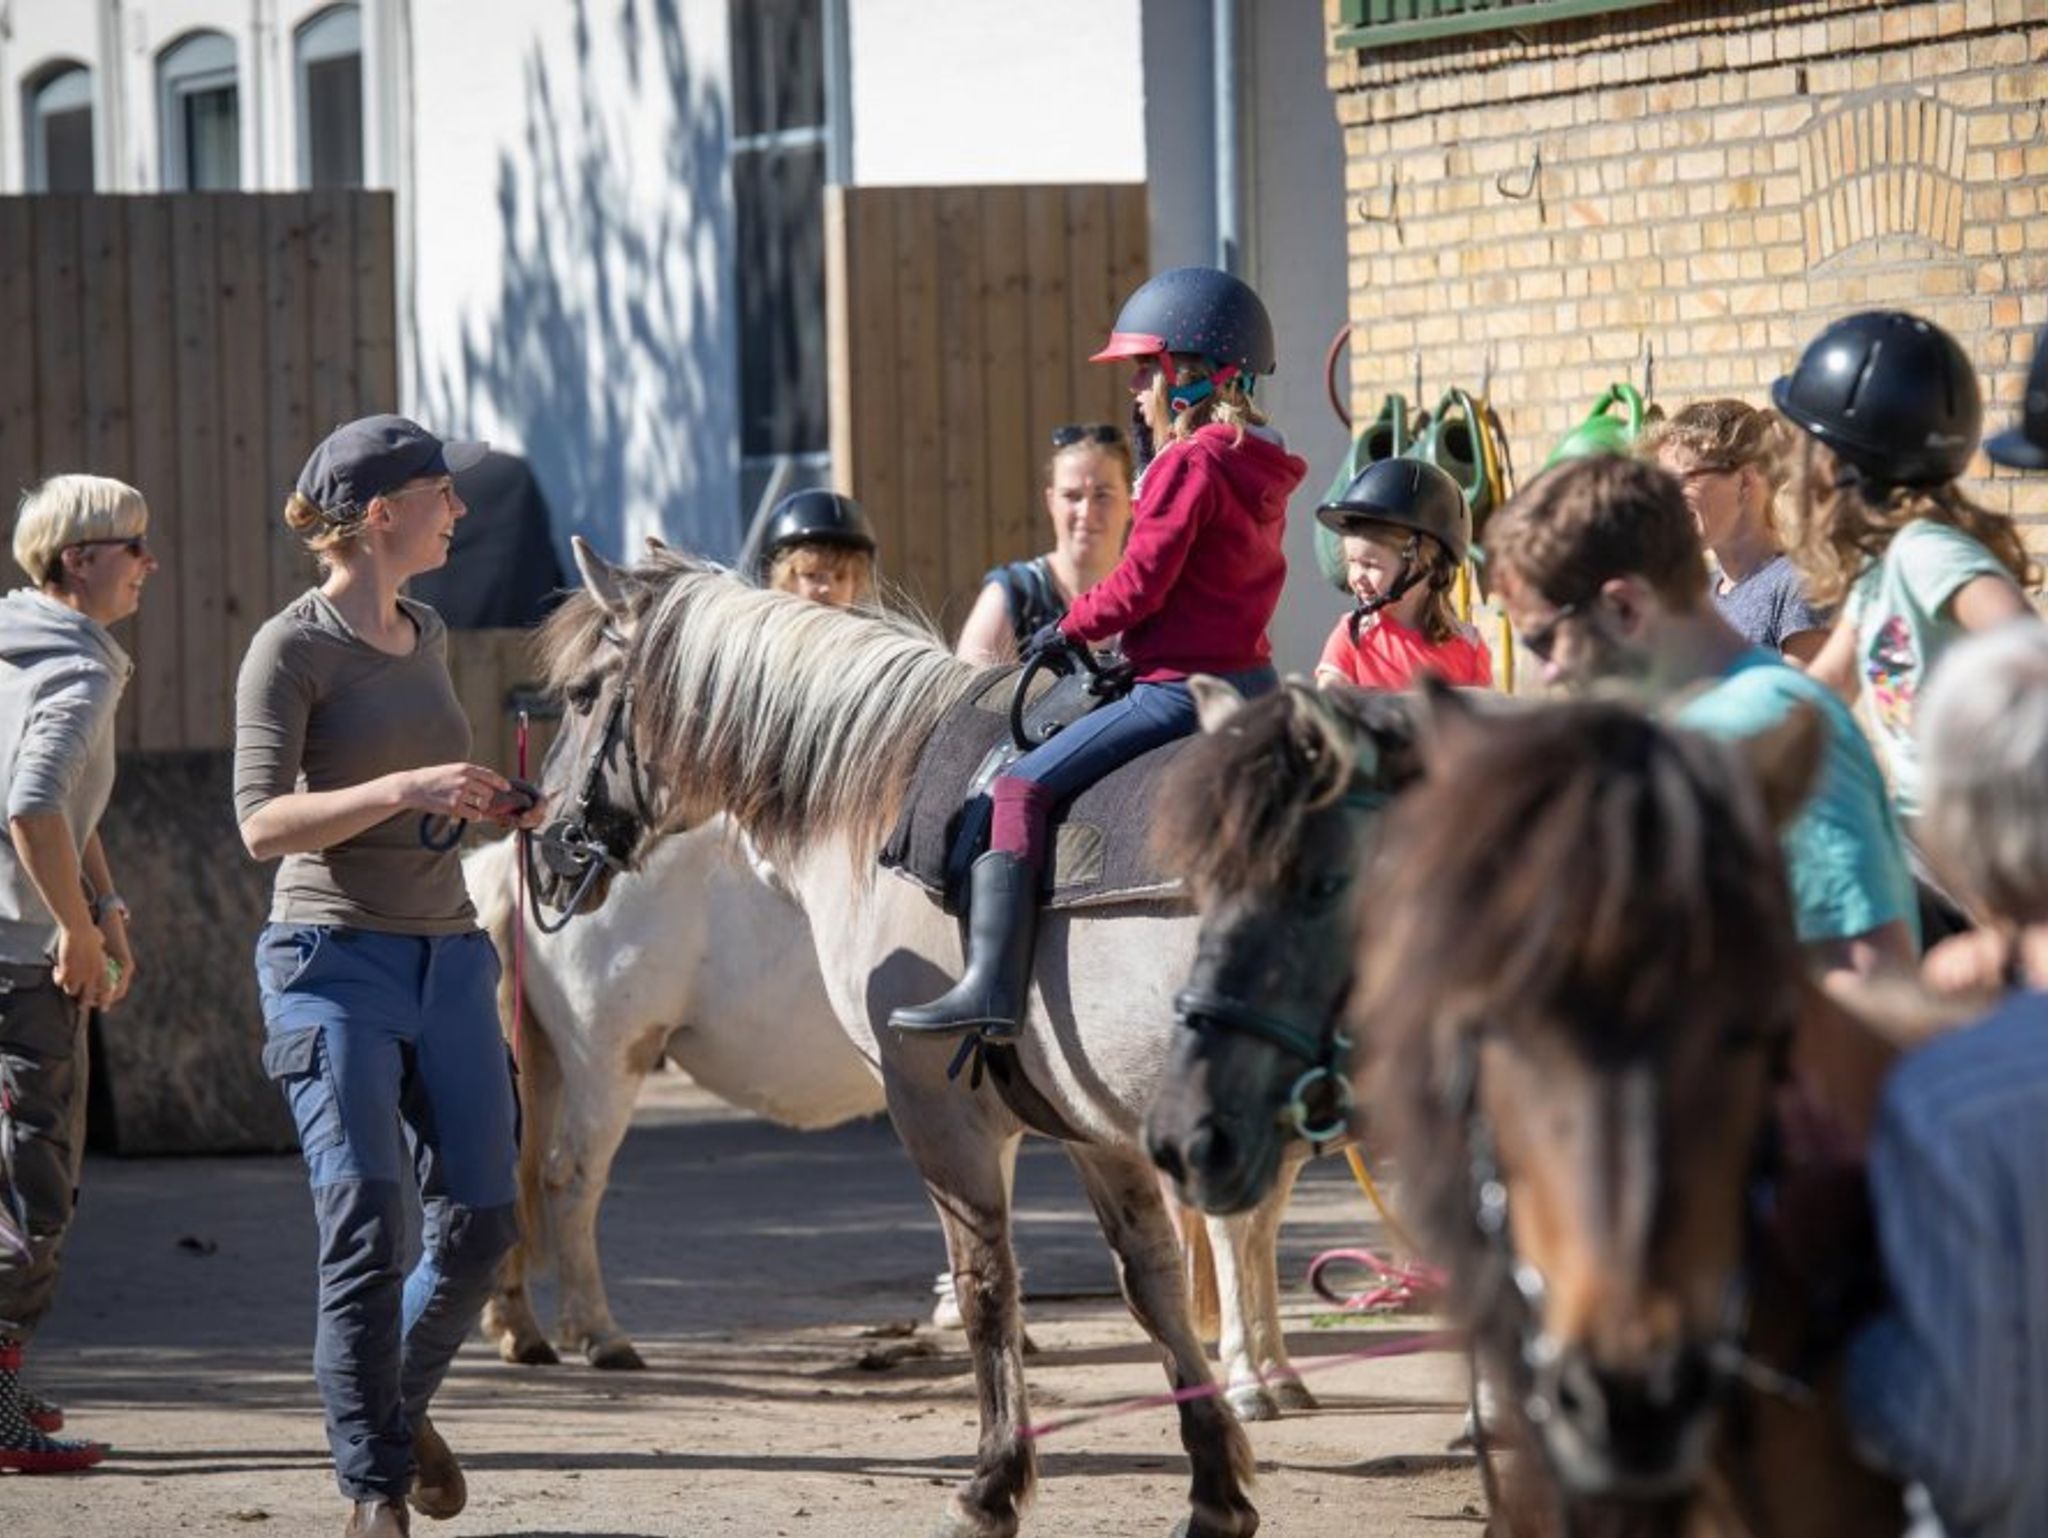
x=1236, y=804
x=801, y=720
x=566, y=644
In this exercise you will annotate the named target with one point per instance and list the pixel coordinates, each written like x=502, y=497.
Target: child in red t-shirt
x=1406, y=530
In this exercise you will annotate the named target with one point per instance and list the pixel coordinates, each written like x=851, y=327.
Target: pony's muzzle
x=1638, y=1431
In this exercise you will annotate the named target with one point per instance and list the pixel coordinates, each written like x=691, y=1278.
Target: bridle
x=1325, y=1048
x=1486, y=1193
x=568, y=849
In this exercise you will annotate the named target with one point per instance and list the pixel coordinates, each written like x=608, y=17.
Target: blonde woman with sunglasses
x=83, y=540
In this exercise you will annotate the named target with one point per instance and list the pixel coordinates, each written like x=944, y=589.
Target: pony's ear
x=656, y=545
x=1449, y=720
x=607, y=583
x=1786, y=759
x=1216, y=700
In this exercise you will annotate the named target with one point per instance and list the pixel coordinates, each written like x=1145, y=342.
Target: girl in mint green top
x=1891, y=410
x=1906, y=610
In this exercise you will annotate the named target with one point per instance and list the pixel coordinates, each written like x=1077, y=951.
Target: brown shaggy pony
x=1580, y=1000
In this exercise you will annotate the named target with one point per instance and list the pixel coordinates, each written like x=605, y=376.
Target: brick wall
x=1701, y=186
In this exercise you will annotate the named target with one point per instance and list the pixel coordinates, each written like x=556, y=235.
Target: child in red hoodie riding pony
x=1199, y=580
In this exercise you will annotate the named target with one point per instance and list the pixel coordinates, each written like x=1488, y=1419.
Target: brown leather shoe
x=378, y=1519
x=438, y=1488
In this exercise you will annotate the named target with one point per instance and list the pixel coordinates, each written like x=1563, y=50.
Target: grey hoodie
x=61, y=676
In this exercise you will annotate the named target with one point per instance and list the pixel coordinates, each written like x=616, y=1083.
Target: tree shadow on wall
x=607, y=348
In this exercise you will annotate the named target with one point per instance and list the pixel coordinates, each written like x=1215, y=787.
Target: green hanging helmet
x=1604, y=432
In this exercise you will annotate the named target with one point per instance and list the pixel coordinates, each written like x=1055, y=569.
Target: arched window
x=330, y=76
x=201, y=113
x=57, y=129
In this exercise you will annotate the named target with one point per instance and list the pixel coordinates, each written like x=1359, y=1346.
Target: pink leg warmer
x=1021, y=809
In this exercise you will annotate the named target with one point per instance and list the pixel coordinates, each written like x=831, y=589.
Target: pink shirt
x=1391, y=656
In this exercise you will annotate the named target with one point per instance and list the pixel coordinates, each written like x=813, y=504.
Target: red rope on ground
x=1399, y=1285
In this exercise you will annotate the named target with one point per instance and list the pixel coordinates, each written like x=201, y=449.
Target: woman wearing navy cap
x=379, y=991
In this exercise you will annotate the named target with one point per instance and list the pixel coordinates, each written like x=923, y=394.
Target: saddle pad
x=1099, y=840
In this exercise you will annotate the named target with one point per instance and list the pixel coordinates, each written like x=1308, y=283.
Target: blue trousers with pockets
x=388, y=1051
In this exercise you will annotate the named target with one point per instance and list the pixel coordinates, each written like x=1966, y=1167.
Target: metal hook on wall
x=1649, y=369
x=1392, y=215
x=1530, y=178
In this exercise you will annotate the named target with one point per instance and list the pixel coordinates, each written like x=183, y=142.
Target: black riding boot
x=1002, y=929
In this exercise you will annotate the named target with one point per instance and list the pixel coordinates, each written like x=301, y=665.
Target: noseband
x=1487, y=1201
x=1325, y=1049
x=568, y=849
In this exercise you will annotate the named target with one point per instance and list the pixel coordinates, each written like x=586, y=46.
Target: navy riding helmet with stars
x=1202, y=311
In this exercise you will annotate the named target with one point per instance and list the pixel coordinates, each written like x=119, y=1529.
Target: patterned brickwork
x=1689, y=192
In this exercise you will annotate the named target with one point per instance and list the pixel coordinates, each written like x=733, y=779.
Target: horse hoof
x=531, y=1352
x=1252, y=1402
x=1241, y=1525
x=957, y=1523
x=1293, y=1394
x=614, y=1356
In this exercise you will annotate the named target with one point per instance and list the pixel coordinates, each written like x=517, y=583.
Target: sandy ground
x=748, y=1262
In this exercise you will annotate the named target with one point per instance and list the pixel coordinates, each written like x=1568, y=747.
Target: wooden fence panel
x=153, y=693
x=196, y=345
x=493, y=669
x=960, y=321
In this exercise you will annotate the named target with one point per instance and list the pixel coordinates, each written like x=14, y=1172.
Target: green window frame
x=1365, y=24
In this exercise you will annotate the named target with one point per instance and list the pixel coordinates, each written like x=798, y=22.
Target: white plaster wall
x=122, y=41
x=1292, y=155
x=1294, y=214
x=40, y=35
x=571, y=259
x=985, y=91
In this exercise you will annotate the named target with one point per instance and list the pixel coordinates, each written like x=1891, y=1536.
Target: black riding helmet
x=1891, y=394
x=1200, y=310
x=1410, y=494
x=815, y=517
x=2024, y=446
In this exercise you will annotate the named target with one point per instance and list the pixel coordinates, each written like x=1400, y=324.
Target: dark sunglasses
x=136, y=545
x=1539, y=642
x=1090, y=432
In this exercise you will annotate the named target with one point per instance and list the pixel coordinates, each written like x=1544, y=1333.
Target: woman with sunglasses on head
x=1088, y=497
x=1193, y=593
x=63, y=927
x=379, y=991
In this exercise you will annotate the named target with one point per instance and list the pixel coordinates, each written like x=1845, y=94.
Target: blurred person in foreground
x=1948, y=1386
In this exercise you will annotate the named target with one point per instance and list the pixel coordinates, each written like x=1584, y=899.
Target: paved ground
x=748, y=1261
